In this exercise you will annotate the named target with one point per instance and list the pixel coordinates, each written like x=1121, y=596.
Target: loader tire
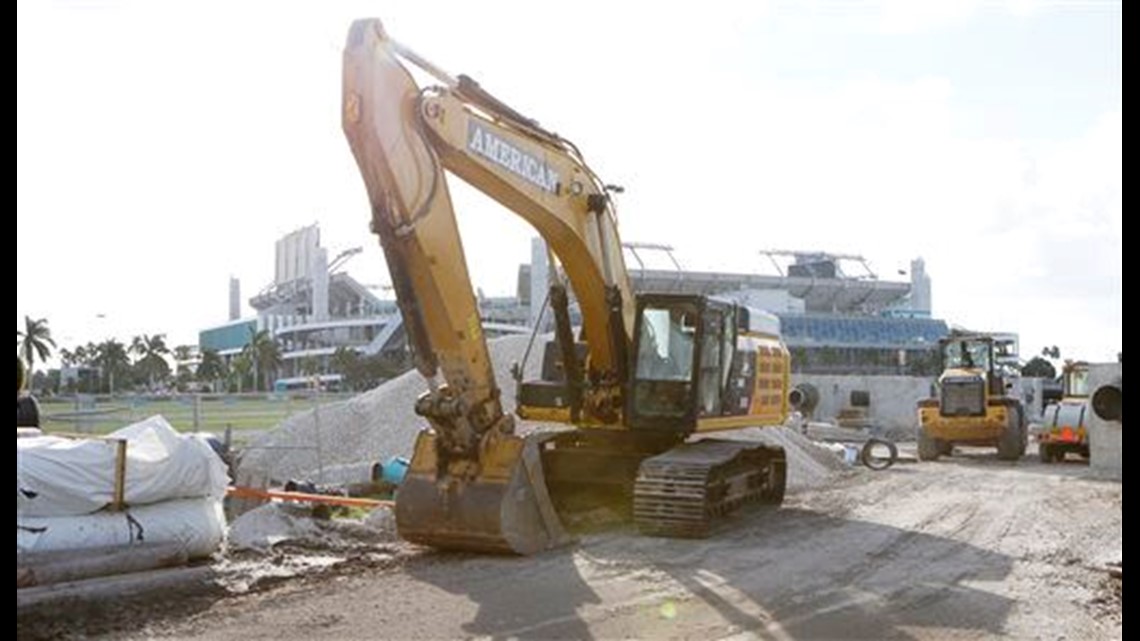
x=1011, y=443
x=929, y=448
x=1045, y=452
x=1023, y=424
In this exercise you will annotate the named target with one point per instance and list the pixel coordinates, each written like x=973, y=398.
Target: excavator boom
x=473, y=483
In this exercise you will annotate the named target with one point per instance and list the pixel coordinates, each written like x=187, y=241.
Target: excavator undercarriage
x=531, y=486
x=684, y=491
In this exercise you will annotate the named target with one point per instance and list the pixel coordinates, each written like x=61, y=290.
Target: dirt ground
x=965, y=548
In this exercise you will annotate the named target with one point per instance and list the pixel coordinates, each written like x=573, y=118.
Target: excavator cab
x=683, y=344
x=680, y=359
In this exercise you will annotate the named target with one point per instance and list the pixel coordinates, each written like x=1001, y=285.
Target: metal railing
x=244, y=414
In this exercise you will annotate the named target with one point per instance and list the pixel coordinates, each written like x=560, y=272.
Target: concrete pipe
x=1108, y=401
x=803, y=398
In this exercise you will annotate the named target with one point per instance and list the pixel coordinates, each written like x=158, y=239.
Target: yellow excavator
x=635, y=390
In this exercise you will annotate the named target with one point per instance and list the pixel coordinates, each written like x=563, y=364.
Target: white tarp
x=67, y=477
x=198, y=525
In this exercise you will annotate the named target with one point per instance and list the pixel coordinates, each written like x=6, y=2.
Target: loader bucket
x=505, y=509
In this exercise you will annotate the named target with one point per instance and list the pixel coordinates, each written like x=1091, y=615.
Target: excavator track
x=683, y=492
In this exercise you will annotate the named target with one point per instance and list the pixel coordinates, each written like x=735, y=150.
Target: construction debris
x=275, y=524
x=268, y=525
x=853, y=445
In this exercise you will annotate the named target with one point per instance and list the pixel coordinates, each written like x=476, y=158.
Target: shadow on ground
x=538, y=597
x=791, y=572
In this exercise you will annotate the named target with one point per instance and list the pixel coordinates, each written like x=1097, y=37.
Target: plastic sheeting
x=198, y=525
x=66, y=477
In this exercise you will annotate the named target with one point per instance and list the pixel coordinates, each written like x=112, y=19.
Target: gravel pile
x=382, y=423
x=370, y=427
x=809, y=465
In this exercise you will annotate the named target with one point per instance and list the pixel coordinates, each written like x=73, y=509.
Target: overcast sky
x=163, y=146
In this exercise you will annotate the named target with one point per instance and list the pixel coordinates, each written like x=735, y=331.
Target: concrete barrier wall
x=1033, y=396
x=1106, y=440
x=893, y=398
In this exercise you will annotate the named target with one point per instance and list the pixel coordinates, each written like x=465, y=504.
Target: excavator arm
x=470, y=470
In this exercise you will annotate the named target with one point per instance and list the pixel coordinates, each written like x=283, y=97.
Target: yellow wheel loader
x=975, y=401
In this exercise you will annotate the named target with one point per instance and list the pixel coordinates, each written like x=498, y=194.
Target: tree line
x=144, y=364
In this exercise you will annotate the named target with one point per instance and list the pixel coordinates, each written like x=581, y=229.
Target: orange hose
x=303, y=497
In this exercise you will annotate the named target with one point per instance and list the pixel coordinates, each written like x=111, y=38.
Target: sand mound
x=809, y=465
x=370, y=427
x=382, y=423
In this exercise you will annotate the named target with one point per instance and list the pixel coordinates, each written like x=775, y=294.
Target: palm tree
x=182, y=355
x=111, y=356
x=84, y=355
x=87, y=355
x=152, y=351
x=183, y=352
x=346, y=362
x=264, y=353
x=80, y=357
x=34, y=341
x=240, y=368
x=212, y=367
x=310, y=366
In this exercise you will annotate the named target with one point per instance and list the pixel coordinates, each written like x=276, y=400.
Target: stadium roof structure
x=815, y=277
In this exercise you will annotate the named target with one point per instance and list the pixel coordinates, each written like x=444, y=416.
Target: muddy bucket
x=506, y=509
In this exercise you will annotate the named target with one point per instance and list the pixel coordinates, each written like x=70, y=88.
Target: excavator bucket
x=505, y=509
